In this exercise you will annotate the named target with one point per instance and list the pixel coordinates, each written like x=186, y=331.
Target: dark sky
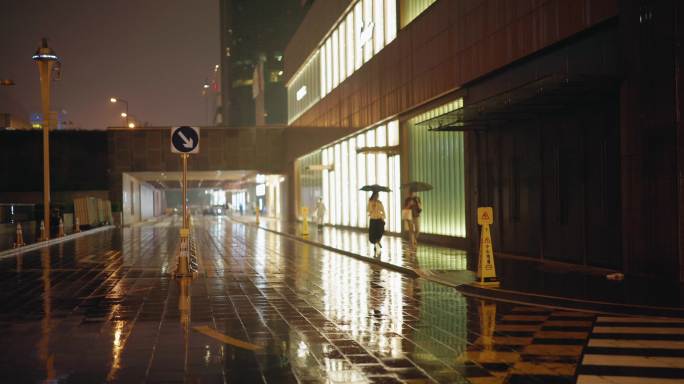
x=154, y=53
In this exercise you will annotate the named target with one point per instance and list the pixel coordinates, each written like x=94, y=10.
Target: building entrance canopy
x=542, y=96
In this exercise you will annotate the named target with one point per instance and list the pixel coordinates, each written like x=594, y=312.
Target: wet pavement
x=268, y=309
x=522, y=279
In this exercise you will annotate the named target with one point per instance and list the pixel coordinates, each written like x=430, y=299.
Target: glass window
x=343, y=50
x=346, y=185
x=358, y=27
x=367, y=31
x=353, y=184
x=335, y=58
x=326, y=186
x=324, y=80
x=439, y=160
x=390, y=20
x=362, y=180
x=338, y=185
x=350, y=43
x=328, y=65
x=379, y=24
x=410, y=9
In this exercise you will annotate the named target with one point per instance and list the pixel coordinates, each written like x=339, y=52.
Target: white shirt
x=375, y=209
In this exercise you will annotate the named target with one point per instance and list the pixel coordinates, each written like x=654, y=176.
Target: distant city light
x=131, y=125
x=113, y=100
x=124, y=114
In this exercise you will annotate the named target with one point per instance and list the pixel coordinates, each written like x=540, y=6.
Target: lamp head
x=45, y=53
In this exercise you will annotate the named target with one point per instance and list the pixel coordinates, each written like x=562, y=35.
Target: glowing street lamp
x=131, y=125
x=115, y=100
x=46, y=58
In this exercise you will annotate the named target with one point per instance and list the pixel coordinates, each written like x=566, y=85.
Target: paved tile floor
x=103, y=309
x=456, y=266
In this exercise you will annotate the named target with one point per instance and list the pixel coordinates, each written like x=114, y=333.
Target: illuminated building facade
x=560, y=115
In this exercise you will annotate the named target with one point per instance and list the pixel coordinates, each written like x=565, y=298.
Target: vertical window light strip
x=343, y=50
x=390, y=20
x=358, y=27
x=379, y=25
x=326, y=188
x=350, y=43
x=381, y=167
x=328, y=64
x=338, y=185
x=324, y=80
x=335, y=58
x=345, y=184
x=367, y=32
x=332, y=187
x=353, y=184
x=362, y=180
x=397, y=187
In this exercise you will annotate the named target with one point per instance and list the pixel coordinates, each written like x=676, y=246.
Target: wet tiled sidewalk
x=521, y=279
x=103, y=308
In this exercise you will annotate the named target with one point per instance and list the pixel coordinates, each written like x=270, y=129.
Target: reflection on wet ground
x=522, y=277
x=263, y=309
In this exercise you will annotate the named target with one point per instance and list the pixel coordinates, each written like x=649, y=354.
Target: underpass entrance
x=146, y=195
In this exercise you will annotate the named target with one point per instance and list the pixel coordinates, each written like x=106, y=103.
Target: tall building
x=254, y=34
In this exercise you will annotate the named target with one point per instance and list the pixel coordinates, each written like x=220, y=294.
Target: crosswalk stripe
x=641, y=344
x=646, y=330
x=634, y=361
x=616, y=319
x=595, y=379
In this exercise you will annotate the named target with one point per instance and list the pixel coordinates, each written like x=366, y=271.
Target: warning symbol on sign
x=485, y=215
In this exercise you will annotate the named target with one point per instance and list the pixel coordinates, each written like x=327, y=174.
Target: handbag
x=406, y=214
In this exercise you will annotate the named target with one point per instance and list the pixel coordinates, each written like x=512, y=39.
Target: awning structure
x=542, y=96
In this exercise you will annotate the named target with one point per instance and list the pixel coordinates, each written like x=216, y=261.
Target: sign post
x=184, y=141
x=486, y=271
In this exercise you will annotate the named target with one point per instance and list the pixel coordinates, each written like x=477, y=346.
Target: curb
x=384, y=264
x=43, y=244
x=501, y=295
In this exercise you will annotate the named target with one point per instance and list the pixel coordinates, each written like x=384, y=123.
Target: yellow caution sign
x=486, y=271
x=305, y=221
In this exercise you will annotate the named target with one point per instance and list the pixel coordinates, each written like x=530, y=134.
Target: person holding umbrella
x=414, y=205
x=376, y=214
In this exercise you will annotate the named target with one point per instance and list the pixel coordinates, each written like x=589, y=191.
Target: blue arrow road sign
x=185, y=140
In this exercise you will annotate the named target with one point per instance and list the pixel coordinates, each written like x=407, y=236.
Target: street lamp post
x=120, y=100
x=46, y=58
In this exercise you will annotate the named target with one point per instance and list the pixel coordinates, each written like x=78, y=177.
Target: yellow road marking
x=214, y=334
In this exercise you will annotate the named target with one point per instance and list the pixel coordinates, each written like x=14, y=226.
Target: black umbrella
x=417, y=186
x=375, y=188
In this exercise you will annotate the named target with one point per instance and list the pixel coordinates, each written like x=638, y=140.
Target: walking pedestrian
x=376, y=214
x=413, y=204
x=320, y=213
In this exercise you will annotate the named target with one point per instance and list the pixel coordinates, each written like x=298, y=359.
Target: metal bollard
x=77, y=226
x=42, y=231
x=256, y=212
x=20, y=237
x=60, y=229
